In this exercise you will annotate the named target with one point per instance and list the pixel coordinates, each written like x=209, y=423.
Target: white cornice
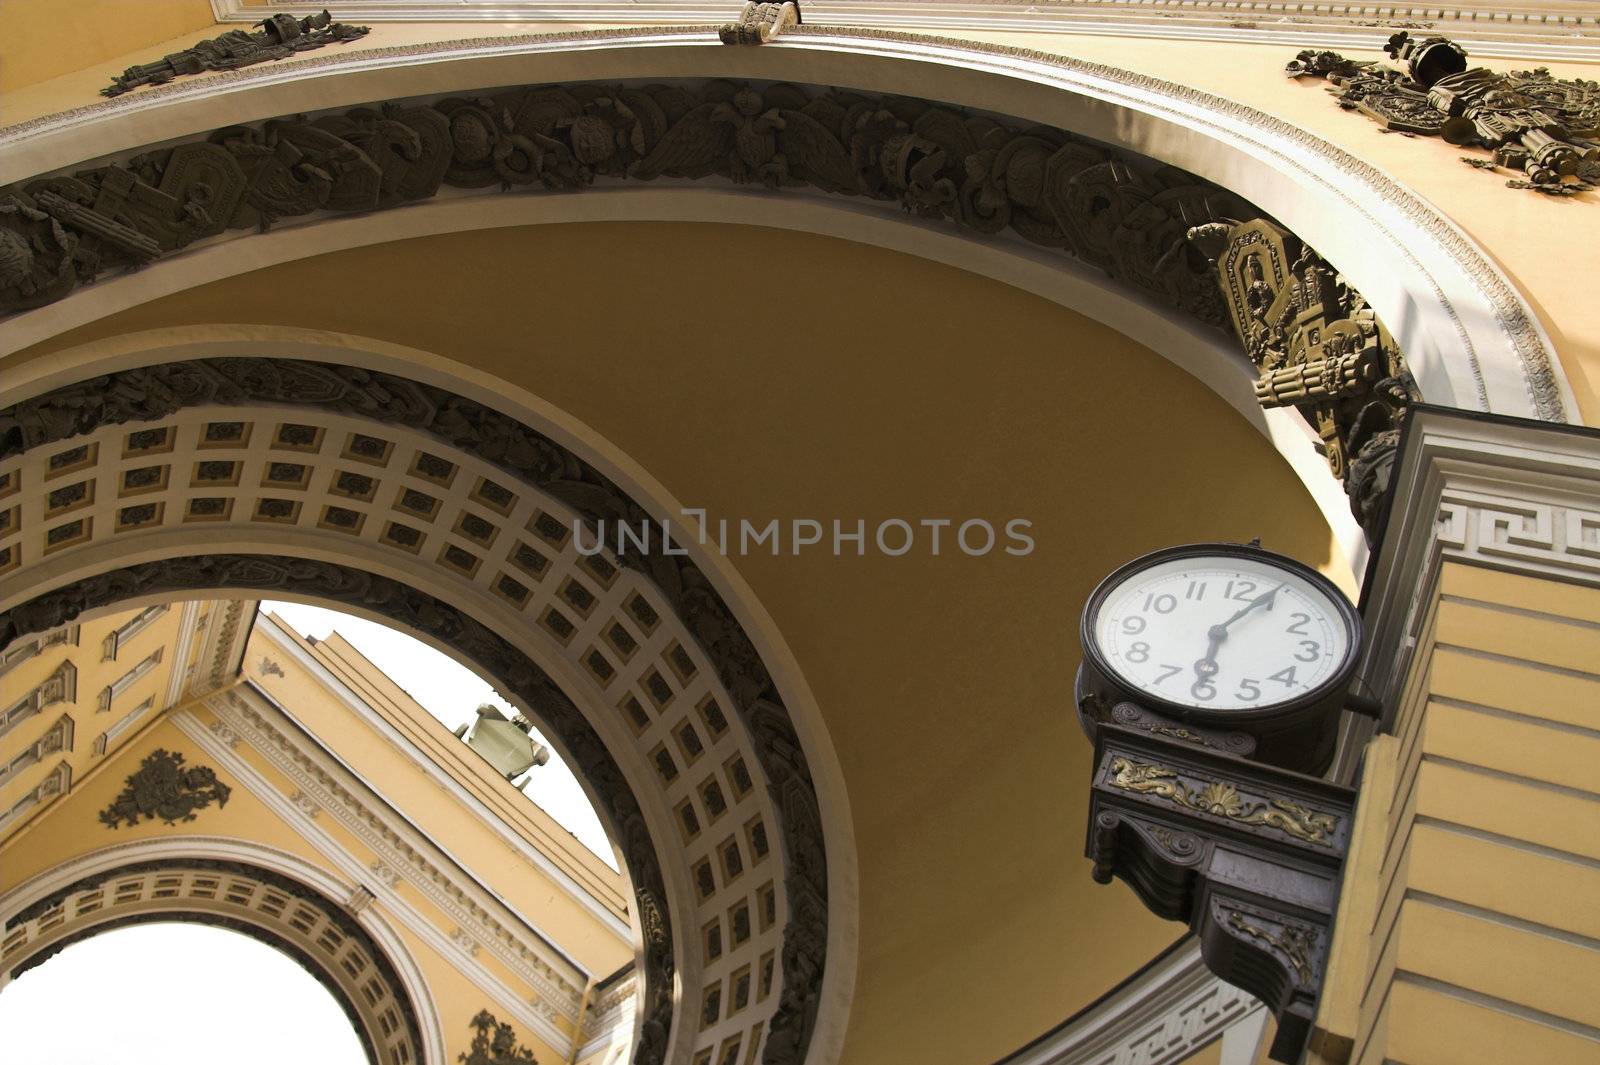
x=1164, y=1015
x=292, y=646
x=325, y=782
x=1496, y=492
x=1546, y=31
x=304, y=824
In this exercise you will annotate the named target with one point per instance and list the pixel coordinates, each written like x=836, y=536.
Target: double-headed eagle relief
x=1544, y=127
x=274, y=38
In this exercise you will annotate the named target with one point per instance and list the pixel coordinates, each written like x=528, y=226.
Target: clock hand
x=1206, y=667
x=1264, y=597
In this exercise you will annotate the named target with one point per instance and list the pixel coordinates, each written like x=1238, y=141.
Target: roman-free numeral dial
x=1239, y=630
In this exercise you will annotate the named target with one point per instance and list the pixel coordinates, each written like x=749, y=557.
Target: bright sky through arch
x=161, y=993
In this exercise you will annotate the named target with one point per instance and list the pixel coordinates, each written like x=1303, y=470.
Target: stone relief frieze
x=1124, y=215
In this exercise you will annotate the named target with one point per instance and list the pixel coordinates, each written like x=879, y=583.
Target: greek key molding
x=1166, y=1014
x=1500, y=493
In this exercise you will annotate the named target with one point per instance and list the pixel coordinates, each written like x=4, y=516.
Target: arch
x=257, y=891
x=1471, y=340
x=416, y=505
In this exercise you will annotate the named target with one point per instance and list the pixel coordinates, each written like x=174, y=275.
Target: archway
x=362, y=964
x=474, y=519
x=473, y=576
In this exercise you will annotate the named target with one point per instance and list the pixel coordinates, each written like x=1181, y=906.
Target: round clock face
x=1223, y=632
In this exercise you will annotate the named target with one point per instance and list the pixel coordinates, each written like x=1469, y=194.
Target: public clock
x=1226, y=635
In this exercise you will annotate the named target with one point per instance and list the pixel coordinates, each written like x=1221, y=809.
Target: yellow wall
x=71, y=828
x=1480, y=942
x=43, y=39
x=94, y=674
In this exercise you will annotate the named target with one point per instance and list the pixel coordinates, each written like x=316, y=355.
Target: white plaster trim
x=222, y=848
x=425, y=873
x=1542, y=31
x=291, y=645
x=1166, y=1014
x=1507, y=495
x=1470, y=338
x=247, y=776
x=183, y=656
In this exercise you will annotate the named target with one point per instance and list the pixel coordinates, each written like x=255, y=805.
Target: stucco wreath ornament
x=164, y=787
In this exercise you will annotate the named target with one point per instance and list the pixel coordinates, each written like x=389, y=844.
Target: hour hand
x=1206, y=668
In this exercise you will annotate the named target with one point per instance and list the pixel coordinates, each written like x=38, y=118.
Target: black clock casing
x=1296, y=734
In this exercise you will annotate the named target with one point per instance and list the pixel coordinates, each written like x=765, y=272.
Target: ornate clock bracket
x=1247, y=854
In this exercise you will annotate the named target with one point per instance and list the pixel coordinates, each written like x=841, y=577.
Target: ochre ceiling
x=762, y=373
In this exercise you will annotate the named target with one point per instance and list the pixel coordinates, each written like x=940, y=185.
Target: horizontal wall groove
x=1513, y=660
x=1520, y=718
x=1521, y=611
x=1509, y=841
x=1514, y=778
x=1467, y=909
x=1500, y=1005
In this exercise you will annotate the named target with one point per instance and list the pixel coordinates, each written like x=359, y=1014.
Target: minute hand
x=1206, y=667
x=1264, y=597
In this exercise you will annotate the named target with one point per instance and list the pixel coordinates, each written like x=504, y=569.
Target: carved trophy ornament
x=1320, y=349
x=273, y=38
x=758, y=23
x=164, y=787
x=1544, y=127
x=494, y=1043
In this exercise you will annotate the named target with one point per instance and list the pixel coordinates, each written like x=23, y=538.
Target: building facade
x=755, y=395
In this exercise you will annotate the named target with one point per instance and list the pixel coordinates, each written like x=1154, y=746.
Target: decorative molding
x=395, y=902
x=105, y=861
x=1123, y=214
x=402, y=855
x=1163, y=1016
x=1246, y=854
x=165, y=788
x=1495, y=348
x=1519, y=28
x=306, y=803
x=529, y=457
x=1501, y=493
x=286, y=913
x=1219, y=798
x=1533, y=123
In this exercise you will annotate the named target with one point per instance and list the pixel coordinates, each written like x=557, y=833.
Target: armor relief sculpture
x=1545, y=128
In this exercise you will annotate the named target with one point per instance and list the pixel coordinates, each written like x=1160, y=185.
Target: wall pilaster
x=1469, y=926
